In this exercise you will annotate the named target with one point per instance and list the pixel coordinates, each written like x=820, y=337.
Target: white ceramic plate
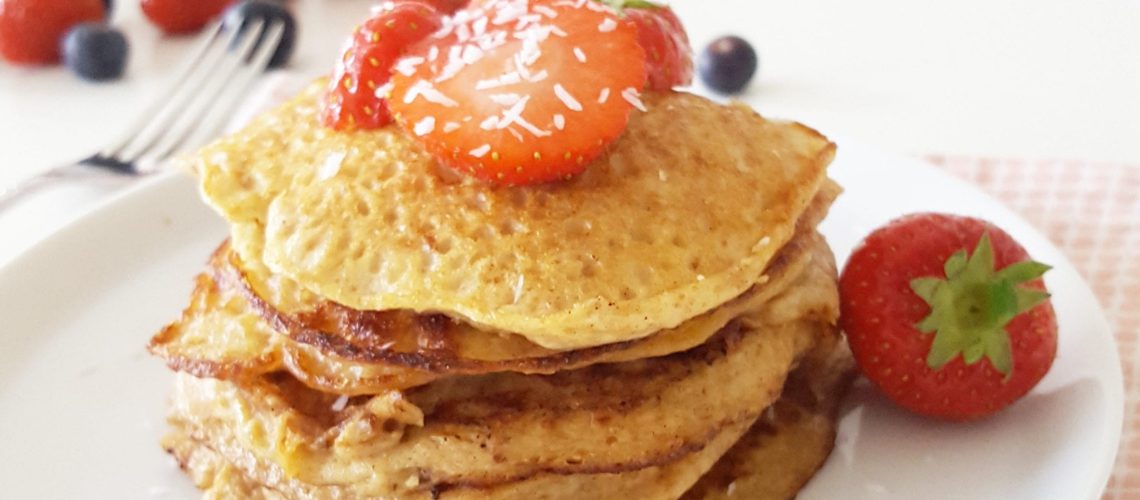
x=81, y=404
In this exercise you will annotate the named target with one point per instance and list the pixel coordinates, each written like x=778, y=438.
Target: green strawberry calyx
x=621, y=5
x=970, y=308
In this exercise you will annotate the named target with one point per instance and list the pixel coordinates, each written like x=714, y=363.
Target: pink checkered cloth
x=1092, y=212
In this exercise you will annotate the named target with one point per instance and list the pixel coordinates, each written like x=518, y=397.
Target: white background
x=1044, y=79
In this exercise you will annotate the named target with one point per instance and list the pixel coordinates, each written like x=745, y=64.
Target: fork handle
x=11, y=195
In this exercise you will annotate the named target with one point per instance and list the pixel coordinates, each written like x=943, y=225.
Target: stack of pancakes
x=662, y=325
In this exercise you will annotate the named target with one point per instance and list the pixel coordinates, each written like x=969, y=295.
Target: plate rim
x=1115, y=395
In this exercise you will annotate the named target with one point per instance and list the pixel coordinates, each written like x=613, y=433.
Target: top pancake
x=683, y=214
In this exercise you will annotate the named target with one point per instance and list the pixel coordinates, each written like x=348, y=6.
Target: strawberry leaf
x=929, y=325
x=999, y=353
x=1028, y=299
x=973, y=353
x=971, y=306
x=982, y=261
x=943, y=349
x=925, y=287
x=955, y=264
x=620, y=5
x=1022, y=272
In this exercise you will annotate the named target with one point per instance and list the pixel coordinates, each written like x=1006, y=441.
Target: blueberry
x=727, y=64
x=241, y=13
x=95, y=51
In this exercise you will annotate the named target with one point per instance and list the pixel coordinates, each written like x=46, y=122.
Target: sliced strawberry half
x=351, y=101
x=668, y=55
x=518, y=92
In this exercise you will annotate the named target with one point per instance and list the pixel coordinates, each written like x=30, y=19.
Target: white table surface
x=1047, y=79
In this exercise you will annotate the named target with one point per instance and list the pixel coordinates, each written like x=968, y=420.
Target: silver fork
x=214, y=79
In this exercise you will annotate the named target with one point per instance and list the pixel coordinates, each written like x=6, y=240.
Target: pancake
x=778, y=452
x=400, y=336
x=788, y=443
x=216, y=336
x=487, y=431
x=211, y=472
x=412, y=350
x=681, y=216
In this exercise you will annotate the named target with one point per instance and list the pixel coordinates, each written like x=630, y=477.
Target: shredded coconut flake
x=472, y=54
x=331, y=166
x=546, y=11
x=594, y=6
x=506, y=79
x=425, y=89
x=480, y=151
x=433, y=53
x=480, y=26
x=530, y=127
x=761, y=244
x=514, y=114
x=407, y=65
x=559, y=122
x=340, y=404
x=631, y=96
x=506, y=99
x=508, y=13
x=527, y=21
x=383, y=91
x=491, y=123
x=519, y=287
x=450, y=127
x=580, y=55
x=604, y=96
x=566, y=98
x=608, y=25
x=425, y=126
x=453, y=65
x=538, y=77
x=492, y=40
x=463, y=33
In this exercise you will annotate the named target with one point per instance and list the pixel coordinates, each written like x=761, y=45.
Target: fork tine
x=162, y=103
x=241, y=62
x=221, y=109
x=205, y=80
x=201, y=101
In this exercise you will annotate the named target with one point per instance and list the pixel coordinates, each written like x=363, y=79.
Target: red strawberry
x=942, y=332
x=31, y=30
x=447, y=6
x=517, y=92
x=351, y=101
x=668, y=55
x=183, y=16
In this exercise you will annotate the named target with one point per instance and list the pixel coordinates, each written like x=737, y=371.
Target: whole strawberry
x=182, y=16
x=31, y=31
x=947, y=315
